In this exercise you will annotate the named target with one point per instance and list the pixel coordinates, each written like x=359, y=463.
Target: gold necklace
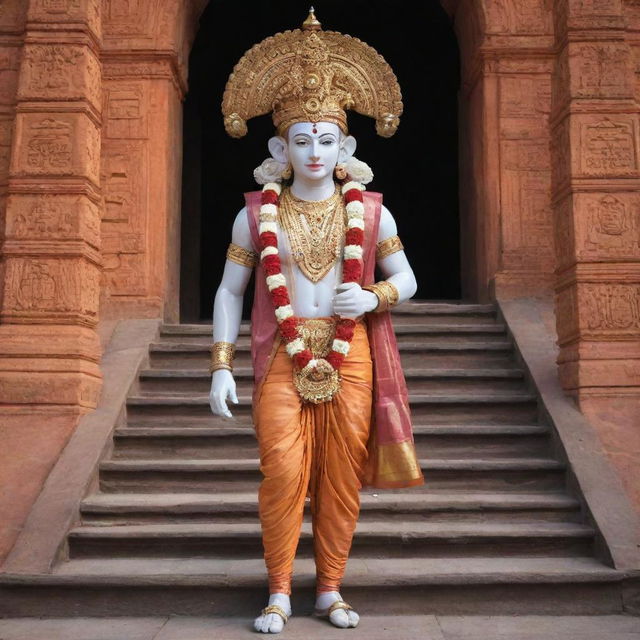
x=316, y=245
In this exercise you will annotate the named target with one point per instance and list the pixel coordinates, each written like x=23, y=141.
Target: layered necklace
x=316, y=379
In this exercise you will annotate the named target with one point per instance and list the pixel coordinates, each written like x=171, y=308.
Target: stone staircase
x=173, y=519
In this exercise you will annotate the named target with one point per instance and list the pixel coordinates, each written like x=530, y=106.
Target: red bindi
x=315, y=130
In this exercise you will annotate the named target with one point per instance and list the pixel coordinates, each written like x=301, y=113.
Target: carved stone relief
x=599, y=70
x=608, y=147
x=60, y=71
x=610, y=308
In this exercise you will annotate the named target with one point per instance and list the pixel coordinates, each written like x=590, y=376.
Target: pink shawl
x=392, y=459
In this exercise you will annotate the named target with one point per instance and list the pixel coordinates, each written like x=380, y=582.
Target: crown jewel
x=311, y=75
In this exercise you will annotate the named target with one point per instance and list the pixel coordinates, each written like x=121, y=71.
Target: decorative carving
x=49, y=146
x=126, y=274
x=129, y=18
x=519, y=16
x=122, y=165
x=610, y=307
x=50, y=216
x=49, y=285
x=600, y=70
x=612, y=228
x=126, y=112
x=525, y=96
x=608, y=147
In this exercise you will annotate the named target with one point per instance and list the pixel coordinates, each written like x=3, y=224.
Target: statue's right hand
x=222, y=386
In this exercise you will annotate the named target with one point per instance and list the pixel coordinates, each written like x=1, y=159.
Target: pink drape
x=392, y=460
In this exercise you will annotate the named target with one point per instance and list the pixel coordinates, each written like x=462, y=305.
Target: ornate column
x=506, y=216
x=597, y=210
x=50, y=254
x=145, y=54
x=51, y=258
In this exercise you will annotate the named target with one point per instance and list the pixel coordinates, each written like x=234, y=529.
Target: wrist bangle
x=222, y=354
x=387, y=294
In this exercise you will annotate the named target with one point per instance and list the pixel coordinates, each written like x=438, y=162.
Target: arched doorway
x=417, y=169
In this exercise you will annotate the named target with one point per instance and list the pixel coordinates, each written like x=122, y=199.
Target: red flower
x=354, y=236
x=302, y=358
x=335, y=359
x=353, y=195
x=289, y=328
x=344, y=329
x=352, y=270
x=272, y=265
x=268, y=239
x=269, y=197
x=280, y=296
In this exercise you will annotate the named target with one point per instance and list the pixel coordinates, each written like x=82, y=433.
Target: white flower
x=277, y=280
x=272, y=186
x=359, y=171
x=268, y=251
x=355, y=208
x=295, y=346
x=267, y=226
x=355, y=223
x=352, y=185
x=282, y=313
x=268, y=209
x=352, y=251
x=269, y=171
x=341, y=346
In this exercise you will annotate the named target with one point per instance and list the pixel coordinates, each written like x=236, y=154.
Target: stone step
x=373, y=538
x=238, y=442
x=157, y=476
x=422, y=380
x=441, y=352
x=404, y=331
x=145, y=508
x=197, y=586
x=503, y=407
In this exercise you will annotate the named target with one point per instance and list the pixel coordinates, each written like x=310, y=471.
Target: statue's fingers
x=233, y=396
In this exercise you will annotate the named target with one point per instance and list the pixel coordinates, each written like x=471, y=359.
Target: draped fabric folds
x=391, y=461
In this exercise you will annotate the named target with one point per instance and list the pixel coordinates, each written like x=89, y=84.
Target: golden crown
x=311, y=75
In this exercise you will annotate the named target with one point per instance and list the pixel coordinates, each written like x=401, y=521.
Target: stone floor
x=309, y=628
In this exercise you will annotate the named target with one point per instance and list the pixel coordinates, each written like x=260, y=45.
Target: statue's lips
x=314, y=166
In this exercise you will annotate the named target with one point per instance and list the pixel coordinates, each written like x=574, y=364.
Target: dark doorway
x=416, y=170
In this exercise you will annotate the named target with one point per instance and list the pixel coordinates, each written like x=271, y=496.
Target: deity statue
x=330, y=403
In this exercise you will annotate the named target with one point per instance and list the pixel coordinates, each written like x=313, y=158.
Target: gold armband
x=222, y=356
x=387, y=295
x=242, y=256
x=388, y=246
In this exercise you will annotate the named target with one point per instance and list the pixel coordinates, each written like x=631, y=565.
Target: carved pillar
x=146, y=48
x=507, y=226
x=50, y=254
x=597, y=210
x=48, y=341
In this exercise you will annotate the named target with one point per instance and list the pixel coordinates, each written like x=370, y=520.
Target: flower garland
x=277, y=284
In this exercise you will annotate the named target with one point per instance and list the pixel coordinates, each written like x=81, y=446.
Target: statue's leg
x=341, y=433
x=285, y=450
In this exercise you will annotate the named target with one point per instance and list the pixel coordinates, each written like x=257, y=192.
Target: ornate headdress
x=311, y=75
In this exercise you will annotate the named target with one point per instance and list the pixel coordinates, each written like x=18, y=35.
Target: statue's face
x=313, y=155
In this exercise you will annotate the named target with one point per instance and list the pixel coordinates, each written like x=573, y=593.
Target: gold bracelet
x=387, y=294
x=242, y=256
x=388, y=246
x=222, y=356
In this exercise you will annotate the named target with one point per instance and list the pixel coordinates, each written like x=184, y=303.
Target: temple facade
x=91, y=96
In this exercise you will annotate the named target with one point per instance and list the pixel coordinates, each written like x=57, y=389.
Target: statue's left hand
x=351, y=300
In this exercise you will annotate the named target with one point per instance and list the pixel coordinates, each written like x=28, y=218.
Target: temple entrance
x=417, y=169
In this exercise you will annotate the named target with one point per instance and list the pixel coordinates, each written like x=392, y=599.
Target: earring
x=286, y=172
x=340, y=171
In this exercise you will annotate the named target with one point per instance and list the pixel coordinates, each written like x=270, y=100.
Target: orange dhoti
x=319, y=450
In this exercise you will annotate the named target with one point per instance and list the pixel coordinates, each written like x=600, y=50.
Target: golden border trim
x=388, y=246
x=242, y=256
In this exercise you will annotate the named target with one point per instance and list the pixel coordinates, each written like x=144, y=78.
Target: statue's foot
x=274, y=616
x=340, y=613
